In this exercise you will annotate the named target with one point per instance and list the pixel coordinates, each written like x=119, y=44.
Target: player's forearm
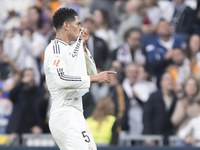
x=103, y=77
x=82, y=83
x=67, y=81
x=94, y=78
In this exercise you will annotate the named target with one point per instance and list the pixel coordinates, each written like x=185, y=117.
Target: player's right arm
x=102, y=77
x=58, y=70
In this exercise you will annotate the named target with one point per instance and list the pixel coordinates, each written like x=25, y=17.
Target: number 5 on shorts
x=85, y=136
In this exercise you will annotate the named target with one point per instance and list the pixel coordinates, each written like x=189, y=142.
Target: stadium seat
x=43, y=140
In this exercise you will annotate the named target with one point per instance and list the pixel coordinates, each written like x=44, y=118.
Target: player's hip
x=66, y=114
x=65, y=108
x=69, y=128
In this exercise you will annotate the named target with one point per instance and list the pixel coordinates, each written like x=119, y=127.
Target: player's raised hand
x=102, y=77
x=84, y=36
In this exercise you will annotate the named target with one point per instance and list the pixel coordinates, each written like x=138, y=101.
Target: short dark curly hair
x=63, y=14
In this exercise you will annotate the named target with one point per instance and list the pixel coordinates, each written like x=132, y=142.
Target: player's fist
x=84, y=36
x=102, y=77
x=105, y=76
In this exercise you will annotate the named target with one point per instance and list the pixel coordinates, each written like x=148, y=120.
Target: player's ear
x=66, y=26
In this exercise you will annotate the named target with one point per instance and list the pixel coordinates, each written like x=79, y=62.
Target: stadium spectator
x=12, y=44
x=191, y=132
x=39, y=22
x=13, y=47
x=193, y=54
x=179, y=69
x=186, y=108
x=183, y=18
x=144, y=83
x=34, y=43
x=153, y=15
x=116, y=64
x=130, y=51
x=79, y=7
x=101, y=122
x=159, y=109
x=32, y=48
x=167, y=9
x=196, y=24
x=48, y=6
x=24, y=22
x=136, y=105
x=25, y=49
x=26, y=98
x=97, y=46
x=102, y=88
x=128, y=19
x=9, y=76
x=18, y=7
x=99, y=51
x=121, y=103
x=159, y=50
x=108, y=5
x=45, y=109
x=104, y=29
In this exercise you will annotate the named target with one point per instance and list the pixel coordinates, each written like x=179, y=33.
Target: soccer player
x=69, y=70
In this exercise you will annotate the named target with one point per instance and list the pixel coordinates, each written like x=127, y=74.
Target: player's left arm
x=90, y=64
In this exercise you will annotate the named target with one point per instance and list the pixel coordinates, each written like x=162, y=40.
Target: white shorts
x=70, y=131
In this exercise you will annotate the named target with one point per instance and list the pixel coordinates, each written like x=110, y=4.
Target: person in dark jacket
x=131, y=50
x=27, y=100
x=159, y=50
x=159, y=109
x=196, y=23
x=97, y=46
x=121, y=103
x=183, y=17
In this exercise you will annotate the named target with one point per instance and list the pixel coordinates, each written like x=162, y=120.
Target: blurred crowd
x=153, y=45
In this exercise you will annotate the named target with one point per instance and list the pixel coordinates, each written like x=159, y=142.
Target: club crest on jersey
x=90, y=147
x=75, y=53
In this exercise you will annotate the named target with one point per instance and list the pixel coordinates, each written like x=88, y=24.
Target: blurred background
x=153, y=45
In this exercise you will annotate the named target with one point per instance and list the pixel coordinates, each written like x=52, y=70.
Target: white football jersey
x=67, y=70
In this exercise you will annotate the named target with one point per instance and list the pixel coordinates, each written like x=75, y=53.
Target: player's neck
x=63, y=36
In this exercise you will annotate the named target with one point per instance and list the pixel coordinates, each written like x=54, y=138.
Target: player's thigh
x=71, y=132
x=79, y=130
x=87, y=131
x=59, y=126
